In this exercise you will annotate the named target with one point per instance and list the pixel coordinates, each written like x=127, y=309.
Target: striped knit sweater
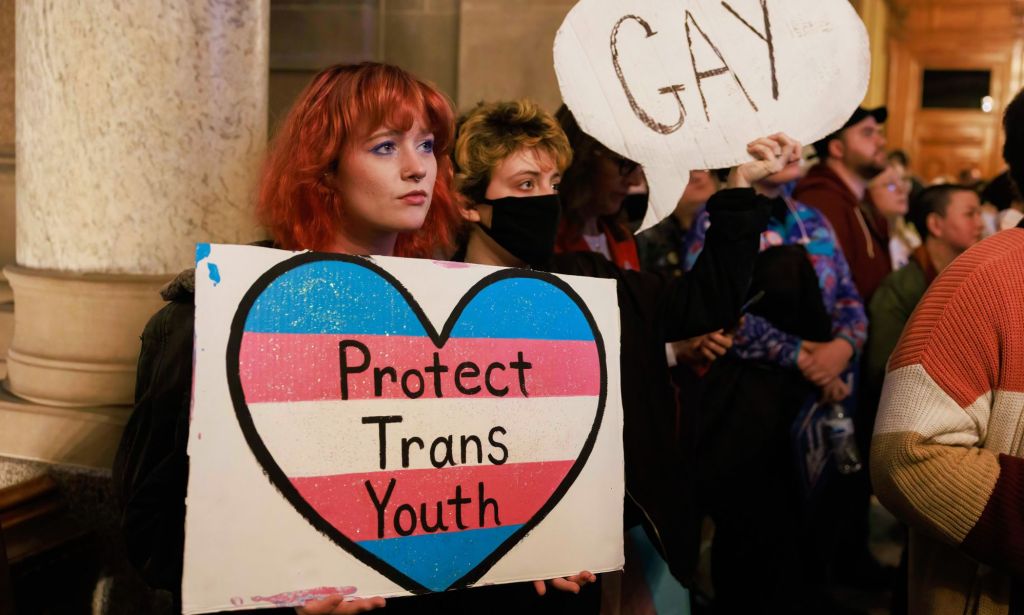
x=949, y=439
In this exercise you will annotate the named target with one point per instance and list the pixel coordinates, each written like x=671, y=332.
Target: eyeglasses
x=626, y=166
x=903, y=184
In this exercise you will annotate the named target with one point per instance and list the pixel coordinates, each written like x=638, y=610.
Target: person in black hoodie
x=509, y=158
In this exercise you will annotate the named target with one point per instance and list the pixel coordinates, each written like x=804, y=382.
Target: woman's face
x=889, y=192
x=385, y=182
x=613, y=177
x=525, y=172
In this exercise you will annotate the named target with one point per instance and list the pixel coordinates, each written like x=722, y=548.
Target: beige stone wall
x=139, y=131
x=308, y=35
x=422, y=36
x=505, y=50
x=471, y=49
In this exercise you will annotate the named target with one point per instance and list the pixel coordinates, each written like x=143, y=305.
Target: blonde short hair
x=491, y=132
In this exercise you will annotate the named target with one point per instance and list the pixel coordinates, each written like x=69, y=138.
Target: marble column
x=140, y=128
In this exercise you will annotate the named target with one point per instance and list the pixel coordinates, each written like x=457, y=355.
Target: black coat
x=659, y=308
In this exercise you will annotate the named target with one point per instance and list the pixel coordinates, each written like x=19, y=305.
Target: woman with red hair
x=360, y=166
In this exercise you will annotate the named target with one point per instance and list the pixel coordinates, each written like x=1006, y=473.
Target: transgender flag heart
x=426, y=455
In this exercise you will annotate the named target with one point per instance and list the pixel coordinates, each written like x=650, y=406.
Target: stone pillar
x=140, y=128
x=6, y=173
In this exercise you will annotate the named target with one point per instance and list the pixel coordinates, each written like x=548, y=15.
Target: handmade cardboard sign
x=391, y=426
x=678, y=85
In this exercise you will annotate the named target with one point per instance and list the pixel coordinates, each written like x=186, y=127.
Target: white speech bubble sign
x=686, y=84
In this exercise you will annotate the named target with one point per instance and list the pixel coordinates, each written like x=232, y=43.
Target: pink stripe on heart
x=280, y=367
x=519, y=489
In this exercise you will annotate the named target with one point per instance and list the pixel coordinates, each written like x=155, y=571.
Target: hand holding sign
x=336, y=605
x=771, y=155
x=687, y=84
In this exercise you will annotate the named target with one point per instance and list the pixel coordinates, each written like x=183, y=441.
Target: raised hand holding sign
x=678, y=85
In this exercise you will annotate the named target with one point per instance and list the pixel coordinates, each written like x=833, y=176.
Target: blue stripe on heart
x=336, y=297
x=332, y=297
x=435, y=561
x=498, y=312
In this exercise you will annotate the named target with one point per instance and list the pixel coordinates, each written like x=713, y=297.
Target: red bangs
x=342, y=104
x=395, y=100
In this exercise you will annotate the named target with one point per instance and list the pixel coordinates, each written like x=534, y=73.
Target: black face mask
x=526, y=226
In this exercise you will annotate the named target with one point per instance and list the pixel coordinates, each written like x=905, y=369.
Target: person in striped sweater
x=949, y=439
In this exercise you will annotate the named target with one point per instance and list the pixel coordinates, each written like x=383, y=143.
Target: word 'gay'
x=700, y=73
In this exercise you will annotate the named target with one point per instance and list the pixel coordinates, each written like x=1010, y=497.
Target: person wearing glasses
x=592, y=191
x=889, y=194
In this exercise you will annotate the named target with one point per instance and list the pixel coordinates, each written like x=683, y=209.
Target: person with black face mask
x=509, y=159
x=524, y=226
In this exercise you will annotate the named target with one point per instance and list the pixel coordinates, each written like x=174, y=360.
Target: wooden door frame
x=910, y=58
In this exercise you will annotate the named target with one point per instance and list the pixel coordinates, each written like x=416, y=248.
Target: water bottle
x=839, y=428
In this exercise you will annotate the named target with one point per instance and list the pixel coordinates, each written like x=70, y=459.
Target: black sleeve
x=707, y=298
x=150, y=472
x=710, y=295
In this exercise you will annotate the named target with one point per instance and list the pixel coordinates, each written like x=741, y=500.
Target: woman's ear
x=328, y=181
x=469, y=212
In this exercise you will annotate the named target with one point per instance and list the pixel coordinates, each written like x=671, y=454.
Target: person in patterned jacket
x=757, y=339
x=800, y=343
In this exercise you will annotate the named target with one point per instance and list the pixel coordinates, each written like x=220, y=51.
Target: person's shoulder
x=176, y=319
x=985, y=284
x=821, y=185
x=826, y=202
x=970, y=313
x=905, y=286
x=813, y=218
x=590, y=264
x=182, y=288
x=911, y=272
x=996, y=260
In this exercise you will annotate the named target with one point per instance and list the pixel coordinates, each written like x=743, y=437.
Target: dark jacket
x=151, y=466
x=862, y=234
x=655, y=309
x=890, y=309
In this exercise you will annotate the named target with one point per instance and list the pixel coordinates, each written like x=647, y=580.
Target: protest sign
x=391, y=426
x=678, y=85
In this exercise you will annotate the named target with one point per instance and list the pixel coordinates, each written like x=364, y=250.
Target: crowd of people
x=772, y=298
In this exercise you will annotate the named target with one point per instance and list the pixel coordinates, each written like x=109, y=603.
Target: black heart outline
x=280, y=480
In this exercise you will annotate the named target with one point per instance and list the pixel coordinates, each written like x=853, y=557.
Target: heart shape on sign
x=425, y=455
